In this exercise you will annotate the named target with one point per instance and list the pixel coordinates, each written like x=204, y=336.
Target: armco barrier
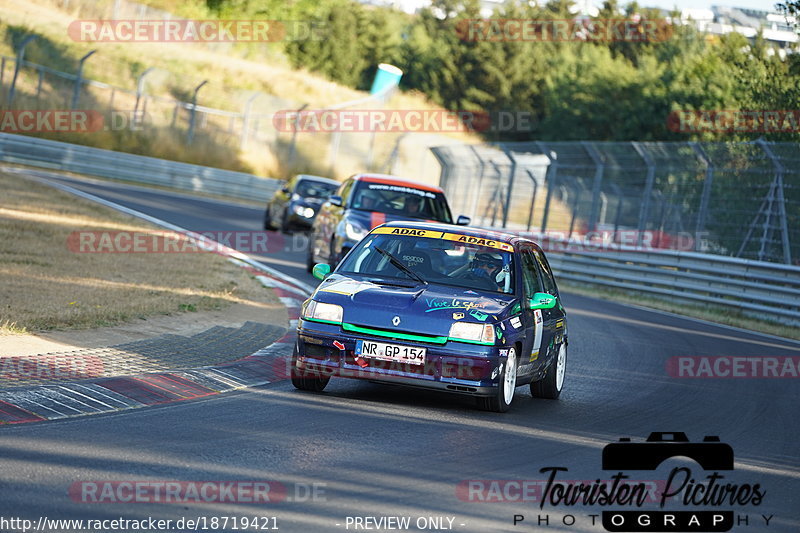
x=759, y=289
x=755, y=288
x=135, y=168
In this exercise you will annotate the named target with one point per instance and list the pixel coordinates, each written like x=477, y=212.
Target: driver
x=413, y=205
x=486, y=267
x=367, y=201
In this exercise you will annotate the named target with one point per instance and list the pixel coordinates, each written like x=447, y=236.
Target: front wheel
x=285, y=226
x=268, y=225
x=305, y=380
x=501, y=400
x=549, y=387
x=310, y=255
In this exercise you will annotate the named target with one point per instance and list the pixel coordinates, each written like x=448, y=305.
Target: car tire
x=333, y=258
x=268, y=225
x=285, y=224
x=310, y=254
x=550, y=386
x=305, y=380
x=500, y=402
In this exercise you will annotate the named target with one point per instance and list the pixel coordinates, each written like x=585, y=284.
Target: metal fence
x=88, y=161
x=733, y=199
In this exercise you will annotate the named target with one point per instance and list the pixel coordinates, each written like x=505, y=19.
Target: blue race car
x=437, y=306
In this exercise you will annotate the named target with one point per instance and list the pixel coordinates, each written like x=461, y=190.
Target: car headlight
x=315, y=310
x=355, y=232
x=303, y=211
x=469, y=331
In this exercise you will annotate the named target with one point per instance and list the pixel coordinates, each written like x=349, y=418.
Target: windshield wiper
x=400, y=266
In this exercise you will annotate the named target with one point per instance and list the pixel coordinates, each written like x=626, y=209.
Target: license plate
x=390, y=352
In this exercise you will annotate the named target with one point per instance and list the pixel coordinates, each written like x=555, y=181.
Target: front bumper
x=453, y=367
x=298, y=221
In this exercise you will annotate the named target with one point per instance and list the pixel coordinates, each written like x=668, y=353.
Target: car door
x=284, y=196
x=554, y=319
x=532, y=320
x=326, y=221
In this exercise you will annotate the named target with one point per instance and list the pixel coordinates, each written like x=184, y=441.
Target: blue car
x=438, y=306
x=364, y=201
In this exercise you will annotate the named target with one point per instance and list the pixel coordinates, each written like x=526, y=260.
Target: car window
x=400, y=200
x=530, y=274
x=314, y=189
x=547, y=275
x=344, y=190
x=438, y=260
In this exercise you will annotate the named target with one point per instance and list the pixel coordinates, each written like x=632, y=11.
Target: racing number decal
x=537, y=339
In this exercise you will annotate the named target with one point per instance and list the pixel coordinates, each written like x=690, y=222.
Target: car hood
x=427, y=309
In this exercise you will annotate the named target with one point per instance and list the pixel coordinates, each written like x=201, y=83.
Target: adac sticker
x=458, y=316
x=413, y=232
x=478, y=241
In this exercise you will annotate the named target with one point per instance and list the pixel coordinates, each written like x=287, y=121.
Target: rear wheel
x=501, y=400
x=305, y=380
x=549, y=387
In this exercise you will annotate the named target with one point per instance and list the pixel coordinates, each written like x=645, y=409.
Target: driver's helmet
x=482, y=260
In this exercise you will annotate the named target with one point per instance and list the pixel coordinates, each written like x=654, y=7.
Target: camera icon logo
x=710, y=454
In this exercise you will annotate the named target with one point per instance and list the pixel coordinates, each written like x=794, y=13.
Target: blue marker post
x=387, y=78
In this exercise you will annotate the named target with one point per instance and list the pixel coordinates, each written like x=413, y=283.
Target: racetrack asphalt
x=378, y=451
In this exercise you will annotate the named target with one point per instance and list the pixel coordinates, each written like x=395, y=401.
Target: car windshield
x=314, y=189
x=445, y=258
x=399, y=200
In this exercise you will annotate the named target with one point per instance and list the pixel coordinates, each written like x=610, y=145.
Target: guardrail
x=45, y=153
x=758, y=289
x=755, y=288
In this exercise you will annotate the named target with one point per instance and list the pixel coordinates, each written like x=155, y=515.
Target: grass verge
x=717, y=314
x=44, y=285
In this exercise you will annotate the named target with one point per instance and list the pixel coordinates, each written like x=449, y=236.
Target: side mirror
x=542, y=300
x=285, y=189
x=335, y=200
x=463, y=220
x=321, y=271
